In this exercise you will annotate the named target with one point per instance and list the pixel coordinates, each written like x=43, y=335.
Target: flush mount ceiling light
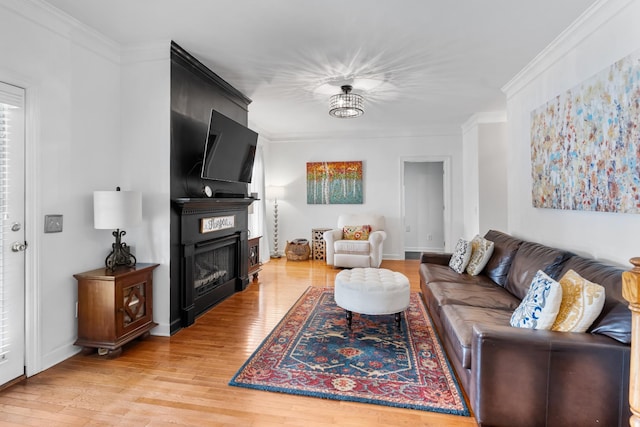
x=346, y=105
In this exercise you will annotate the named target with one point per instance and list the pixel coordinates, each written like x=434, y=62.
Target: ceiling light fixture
x=346, y=105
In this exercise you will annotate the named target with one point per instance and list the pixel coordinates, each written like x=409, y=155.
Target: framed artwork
x=334, y=183
x=585, y=144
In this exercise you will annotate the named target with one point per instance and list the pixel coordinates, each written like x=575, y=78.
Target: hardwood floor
x=182, y=380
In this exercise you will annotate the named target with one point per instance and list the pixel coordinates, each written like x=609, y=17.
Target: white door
x=12, y=256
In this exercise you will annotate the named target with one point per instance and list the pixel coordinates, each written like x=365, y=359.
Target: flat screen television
x=229, y=150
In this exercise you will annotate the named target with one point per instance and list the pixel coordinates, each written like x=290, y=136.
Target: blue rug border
x=465, y=412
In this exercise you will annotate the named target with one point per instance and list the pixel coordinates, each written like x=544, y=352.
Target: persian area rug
x=311, y=352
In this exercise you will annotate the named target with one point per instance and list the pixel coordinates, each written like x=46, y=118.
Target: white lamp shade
x=116, y=209
x=275, y=192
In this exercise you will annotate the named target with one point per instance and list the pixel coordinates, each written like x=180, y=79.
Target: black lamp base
x=120, y=254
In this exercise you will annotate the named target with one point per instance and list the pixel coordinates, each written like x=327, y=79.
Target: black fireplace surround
x=195, y=91
x=214, y=259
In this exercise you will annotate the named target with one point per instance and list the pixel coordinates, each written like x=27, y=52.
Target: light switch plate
x=53, y=223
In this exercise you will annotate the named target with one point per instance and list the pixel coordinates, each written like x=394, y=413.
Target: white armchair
x=356, y=253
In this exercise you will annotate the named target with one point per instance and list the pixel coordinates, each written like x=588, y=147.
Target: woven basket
x=298, y=250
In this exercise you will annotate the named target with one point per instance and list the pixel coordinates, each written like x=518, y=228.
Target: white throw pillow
x=481, y=251
x=582, y=302
x=539, y=307
x=461, y=256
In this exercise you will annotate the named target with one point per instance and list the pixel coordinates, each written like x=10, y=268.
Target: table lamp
x=114, y=210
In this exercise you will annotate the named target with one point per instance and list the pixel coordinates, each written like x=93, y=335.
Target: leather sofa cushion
x=435, y=258
x=504, y=249
x=530, y=258
x=352, y=247
x=615, y=319
x=443, y=273
x=477, y=295
x=458, y=321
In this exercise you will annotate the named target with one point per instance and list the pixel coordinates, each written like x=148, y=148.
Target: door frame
x=33, y=352
x=446, y=183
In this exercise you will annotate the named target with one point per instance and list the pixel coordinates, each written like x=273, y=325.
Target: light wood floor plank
x=183, y=380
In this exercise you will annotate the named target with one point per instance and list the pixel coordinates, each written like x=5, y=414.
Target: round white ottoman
x=372, y=291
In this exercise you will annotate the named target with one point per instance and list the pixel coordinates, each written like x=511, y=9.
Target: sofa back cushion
x=615, y=317
x=504, y=249
x=530, y=258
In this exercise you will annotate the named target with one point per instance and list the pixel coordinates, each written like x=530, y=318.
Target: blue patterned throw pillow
x=539, y=307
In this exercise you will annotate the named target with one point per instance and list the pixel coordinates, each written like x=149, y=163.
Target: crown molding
x=484, y=118
x=593, y=18
x=357, y=135
x=146, y=52
x=45, y=15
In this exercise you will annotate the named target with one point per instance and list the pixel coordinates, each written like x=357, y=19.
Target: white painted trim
x=359, y=134
x=47, y=16
x=484, y=118
x=146, y=52
x=593, y=18
x=447, y=184
x=33, y=350
x=423, y=249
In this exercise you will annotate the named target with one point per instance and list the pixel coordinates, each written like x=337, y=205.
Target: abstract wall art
x=334, y=183
x=585, y=144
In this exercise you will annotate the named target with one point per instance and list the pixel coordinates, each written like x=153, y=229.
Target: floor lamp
x=275, y=193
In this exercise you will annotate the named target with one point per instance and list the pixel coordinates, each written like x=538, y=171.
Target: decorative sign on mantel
x=217, y=223
x=585, y=144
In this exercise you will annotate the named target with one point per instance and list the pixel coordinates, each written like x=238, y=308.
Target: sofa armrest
x=377, y=237
x=523, y=374
x=435, y=258
x=330, y=237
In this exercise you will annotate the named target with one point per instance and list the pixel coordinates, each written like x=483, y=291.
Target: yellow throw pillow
x=481, y=251
x=356, y=232
x=582, y=302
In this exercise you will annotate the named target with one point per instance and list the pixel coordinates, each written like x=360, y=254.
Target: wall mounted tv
x=229, y=150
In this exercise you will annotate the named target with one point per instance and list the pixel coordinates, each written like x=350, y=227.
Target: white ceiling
x=420, y=64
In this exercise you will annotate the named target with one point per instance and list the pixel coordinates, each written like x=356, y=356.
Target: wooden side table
x=255, y=265
x=114, y=307
x=318, y=249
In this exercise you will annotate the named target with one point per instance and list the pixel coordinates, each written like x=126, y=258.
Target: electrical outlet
x=430, y=237
x=53, y=223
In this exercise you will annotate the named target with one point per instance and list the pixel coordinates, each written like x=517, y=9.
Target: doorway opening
x=425, y=194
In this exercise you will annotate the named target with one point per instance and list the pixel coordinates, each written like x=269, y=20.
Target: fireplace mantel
x=189, y=205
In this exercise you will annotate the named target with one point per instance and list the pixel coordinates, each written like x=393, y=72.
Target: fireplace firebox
x=213, y=251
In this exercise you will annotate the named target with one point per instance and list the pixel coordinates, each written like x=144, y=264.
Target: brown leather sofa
x=524, y=377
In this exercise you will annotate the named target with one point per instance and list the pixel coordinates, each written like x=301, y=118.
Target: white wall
x=72, y=79
x=608, y=32
x=492, y=177
x=286, y=166
x=470, y=189
x=146, y=133
x=485, y=173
